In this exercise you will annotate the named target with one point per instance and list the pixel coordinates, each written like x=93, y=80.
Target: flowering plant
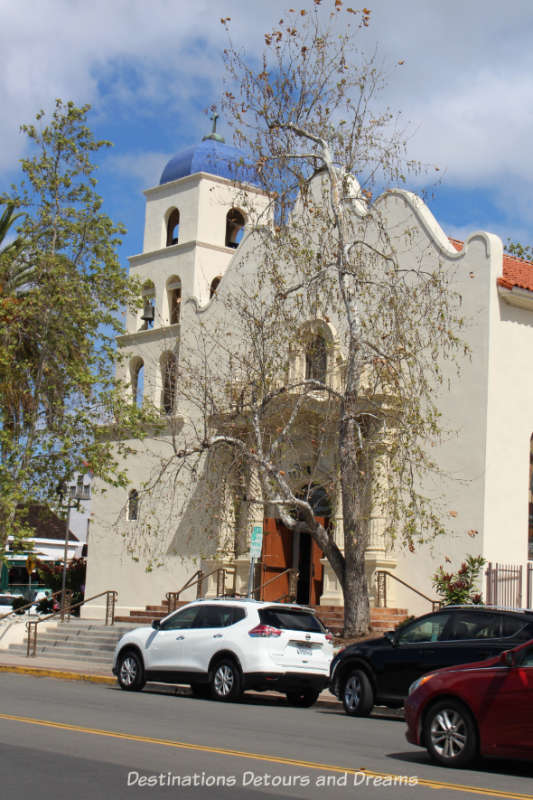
x=460, y=587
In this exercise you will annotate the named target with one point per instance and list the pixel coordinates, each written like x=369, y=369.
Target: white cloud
x=466, y=84
x=143, y=167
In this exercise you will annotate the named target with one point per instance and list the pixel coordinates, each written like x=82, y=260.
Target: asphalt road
x=79, y=741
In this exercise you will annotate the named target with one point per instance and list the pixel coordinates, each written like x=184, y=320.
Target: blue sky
x=150, y=69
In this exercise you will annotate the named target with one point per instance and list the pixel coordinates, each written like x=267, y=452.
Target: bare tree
x=334, y=324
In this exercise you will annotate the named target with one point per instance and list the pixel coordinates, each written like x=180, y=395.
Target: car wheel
x=450, y=734
x=357, y=694
x=304, y=699
x=225, y=680
x=200, y=689
x=130, y=671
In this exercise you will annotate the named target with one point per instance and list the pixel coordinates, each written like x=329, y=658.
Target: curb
x=44, y=672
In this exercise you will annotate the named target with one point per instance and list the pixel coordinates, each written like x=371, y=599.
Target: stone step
x=382, y=619
x=79, y=641
x=67, y=654
x=137, y=620
x=111, y=631
x=143, y=613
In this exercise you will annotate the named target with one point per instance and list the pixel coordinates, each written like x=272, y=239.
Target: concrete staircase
x=80, y=641
x=382, y=619
x=146, y=615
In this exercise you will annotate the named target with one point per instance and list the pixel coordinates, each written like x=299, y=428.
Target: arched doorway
x=283, y=550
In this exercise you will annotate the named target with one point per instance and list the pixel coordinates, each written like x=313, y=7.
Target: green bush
x=46, y=605
x=460, y=588
x=52, y=575
x=18, y=602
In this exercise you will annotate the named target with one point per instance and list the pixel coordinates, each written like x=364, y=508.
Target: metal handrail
x=293, y=578
x=31, y=625
x=173, y=597
x=381, y=579
x=21, y=609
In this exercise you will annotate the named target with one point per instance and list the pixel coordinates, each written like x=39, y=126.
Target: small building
x=47, y=544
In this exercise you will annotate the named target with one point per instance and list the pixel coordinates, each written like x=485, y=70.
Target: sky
x=150, y=69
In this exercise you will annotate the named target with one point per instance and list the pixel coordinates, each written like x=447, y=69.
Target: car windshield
x=291, y=620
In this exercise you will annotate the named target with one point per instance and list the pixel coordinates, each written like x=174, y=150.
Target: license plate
x=304, y=650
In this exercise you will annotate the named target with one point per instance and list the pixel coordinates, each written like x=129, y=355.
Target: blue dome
x=214, y=157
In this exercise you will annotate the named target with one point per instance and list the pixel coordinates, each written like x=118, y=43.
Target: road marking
x=291, y=762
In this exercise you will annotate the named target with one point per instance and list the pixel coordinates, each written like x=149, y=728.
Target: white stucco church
x=196, y=244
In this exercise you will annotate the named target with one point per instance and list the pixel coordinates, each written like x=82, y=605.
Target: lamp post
x=74, y=493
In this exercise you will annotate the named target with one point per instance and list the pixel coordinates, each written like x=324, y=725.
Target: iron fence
x=504, y=585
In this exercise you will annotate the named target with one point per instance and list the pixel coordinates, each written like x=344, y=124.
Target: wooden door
x=276, y=557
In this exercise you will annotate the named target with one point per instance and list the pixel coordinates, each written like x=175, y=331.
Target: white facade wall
x=487, y=409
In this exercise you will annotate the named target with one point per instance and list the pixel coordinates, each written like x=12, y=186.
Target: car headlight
x=416, y=684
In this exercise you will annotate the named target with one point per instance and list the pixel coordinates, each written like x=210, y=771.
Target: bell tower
x=195, y=219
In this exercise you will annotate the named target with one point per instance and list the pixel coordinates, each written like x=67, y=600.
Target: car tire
x=225, y=681
x=304, y=699
x=357, y=694
x=450, y=734
x=201, y=689
x=130, y=671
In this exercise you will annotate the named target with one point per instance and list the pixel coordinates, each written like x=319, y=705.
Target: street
x=70, y=739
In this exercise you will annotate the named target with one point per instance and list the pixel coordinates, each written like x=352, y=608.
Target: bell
x=148, y=311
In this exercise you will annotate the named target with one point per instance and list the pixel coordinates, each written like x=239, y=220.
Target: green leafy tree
x=62, y=290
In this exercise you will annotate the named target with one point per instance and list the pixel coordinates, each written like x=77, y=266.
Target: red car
x=485, y=708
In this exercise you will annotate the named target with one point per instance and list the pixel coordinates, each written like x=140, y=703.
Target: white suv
x=222, y=647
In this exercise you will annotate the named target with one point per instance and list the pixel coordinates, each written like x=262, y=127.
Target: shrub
x=46, y=605
x=18, y=602
x=52, y=575
x=459, y=588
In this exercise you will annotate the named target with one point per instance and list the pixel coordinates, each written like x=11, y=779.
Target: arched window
x=173, y=300
x=148, y=308
x=173, y=227
x=316, y=360
x=137, y=380
x=214, y=286
x=133, y=504
x=234, y=227
x=169, y=374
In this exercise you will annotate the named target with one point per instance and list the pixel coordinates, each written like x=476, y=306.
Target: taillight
x=329, y=637
x=264, y=631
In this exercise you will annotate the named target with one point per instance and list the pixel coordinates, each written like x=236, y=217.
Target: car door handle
x=217, y=636
x=180, y=637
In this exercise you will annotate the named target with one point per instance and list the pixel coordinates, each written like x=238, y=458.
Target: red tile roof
x=45, y=523
x=515, y=272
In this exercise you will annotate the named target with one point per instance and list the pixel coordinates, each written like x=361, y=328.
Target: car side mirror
x=156, y=624
x=390, y=636
x=507, y=658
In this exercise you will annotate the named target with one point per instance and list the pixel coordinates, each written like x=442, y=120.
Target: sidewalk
x=54, y=668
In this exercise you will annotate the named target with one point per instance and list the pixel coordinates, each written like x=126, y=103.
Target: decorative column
x=229, y=504
x=331, y=588
x=252, y=513
x=378, y=555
